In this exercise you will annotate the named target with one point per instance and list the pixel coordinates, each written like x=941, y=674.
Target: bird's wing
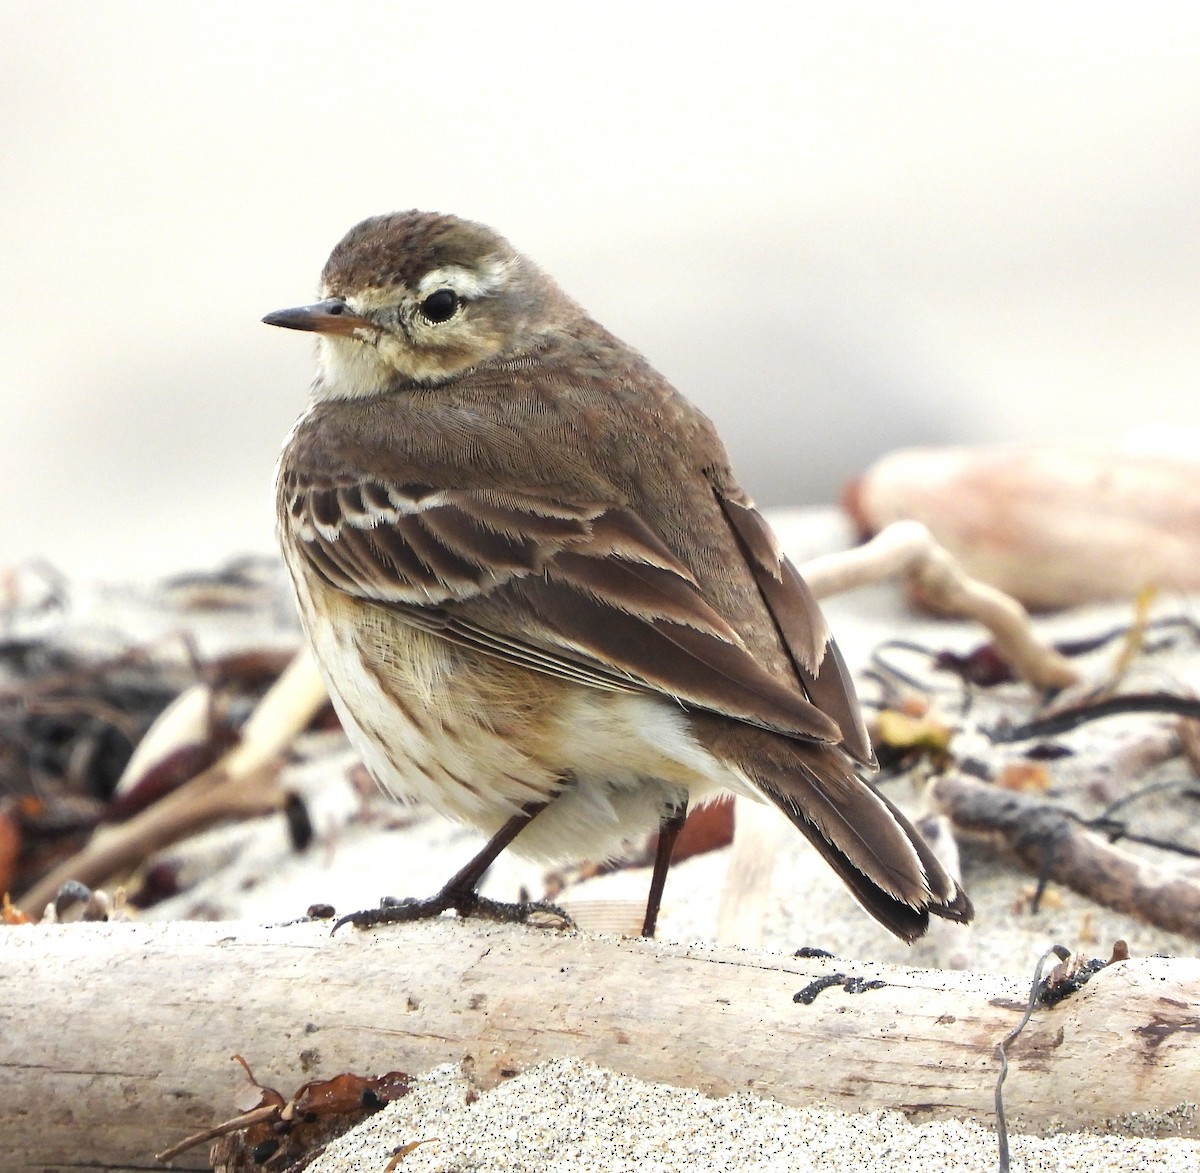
x=801, y=626
x=587, y=592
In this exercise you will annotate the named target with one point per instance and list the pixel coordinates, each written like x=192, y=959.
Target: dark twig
x=883, y=664
x=1087, y=644
x=1067, y=719
x=885, y=670
x=1115, y=830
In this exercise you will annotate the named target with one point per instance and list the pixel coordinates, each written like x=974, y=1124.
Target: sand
x=568, y=1117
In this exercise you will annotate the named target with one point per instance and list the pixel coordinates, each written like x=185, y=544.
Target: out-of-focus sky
x=837, y=228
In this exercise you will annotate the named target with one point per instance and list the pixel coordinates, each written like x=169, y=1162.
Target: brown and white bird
x=539, y=598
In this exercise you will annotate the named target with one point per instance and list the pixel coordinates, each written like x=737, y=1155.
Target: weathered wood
x=1046, y=839
x=757, y=832
x=906, y=549
x=116, y=1039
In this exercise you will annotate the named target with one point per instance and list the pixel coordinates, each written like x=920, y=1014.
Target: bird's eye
x=440, y=306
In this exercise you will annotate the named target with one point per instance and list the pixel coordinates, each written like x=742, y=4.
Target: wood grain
x=115, y=1040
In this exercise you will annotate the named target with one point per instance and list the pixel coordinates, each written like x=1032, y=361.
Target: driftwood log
x=116, y=1039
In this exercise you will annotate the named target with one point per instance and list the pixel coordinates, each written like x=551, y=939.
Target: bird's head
x=420, y=297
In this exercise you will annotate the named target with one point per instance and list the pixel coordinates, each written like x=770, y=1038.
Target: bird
x=540, y=599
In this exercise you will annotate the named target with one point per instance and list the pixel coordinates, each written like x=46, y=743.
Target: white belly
x=477, y=738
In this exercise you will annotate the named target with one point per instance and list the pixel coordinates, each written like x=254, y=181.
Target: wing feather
x=586, y=592
x=797, y=616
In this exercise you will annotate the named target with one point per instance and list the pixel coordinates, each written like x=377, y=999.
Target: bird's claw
x=537, y=913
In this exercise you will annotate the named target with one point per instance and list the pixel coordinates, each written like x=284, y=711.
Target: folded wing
x=587, y=592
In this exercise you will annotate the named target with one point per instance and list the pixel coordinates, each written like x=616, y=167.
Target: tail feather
x=878, y=853
x=880, y=847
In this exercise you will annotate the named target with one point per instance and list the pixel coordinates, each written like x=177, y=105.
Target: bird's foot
x=540, y=914
x=465, y=902
x=392, y=912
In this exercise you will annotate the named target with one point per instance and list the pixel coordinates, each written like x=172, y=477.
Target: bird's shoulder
x=580, y=411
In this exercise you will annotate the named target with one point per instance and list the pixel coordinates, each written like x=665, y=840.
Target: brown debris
x=281, y=1132
x=1025, y=776
x=240, y=783
x=1188, y=730
x=10, y=914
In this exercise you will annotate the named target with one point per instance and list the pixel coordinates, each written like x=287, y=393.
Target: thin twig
x=1067, y=719
x=1034, y=994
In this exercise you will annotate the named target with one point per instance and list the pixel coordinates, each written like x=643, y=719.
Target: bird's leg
x=668, y=832
x=459, y=893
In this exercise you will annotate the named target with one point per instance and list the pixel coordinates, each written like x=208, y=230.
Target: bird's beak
x=332, y=316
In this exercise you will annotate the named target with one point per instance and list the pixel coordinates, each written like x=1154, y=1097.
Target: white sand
x=567, y=1117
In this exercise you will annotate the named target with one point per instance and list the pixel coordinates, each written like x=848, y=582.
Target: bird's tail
x=877, y=852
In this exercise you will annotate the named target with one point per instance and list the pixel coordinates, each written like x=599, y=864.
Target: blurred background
x=839, y=229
